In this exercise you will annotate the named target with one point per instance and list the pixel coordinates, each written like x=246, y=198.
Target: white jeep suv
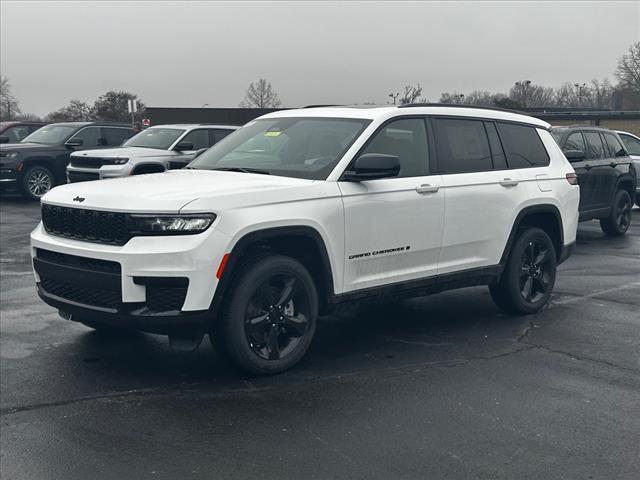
x=301, y=210
x=156, y=149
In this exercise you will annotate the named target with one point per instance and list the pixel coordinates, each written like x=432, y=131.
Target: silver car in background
x=632, y=144
x=156, y=149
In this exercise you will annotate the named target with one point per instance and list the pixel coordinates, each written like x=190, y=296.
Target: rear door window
x=595, y=149
x=462, y=146
x=614, y=147
x=523, y=146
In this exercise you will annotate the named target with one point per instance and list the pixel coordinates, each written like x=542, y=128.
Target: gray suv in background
x=156, y=149
x=632, y=144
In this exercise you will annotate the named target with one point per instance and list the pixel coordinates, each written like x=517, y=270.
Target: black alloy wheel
x=535, y=265
x=277, y=317
x=269, y=317
x=619, y=219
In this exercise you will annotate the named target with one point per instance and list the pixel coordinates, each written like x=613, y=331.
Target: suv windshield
x=51, y=134
x=306, y=148
x=160, y=138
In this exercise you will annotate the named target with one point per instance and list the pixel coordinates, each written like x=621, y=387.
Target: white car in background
x=156, y=149
x=632, y=144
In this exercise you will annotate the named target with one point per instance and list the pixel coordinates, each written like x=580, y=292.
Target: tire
x=638, y=199
x=529, y=275
x=36, y=181
x=619, y=218
x=269, y=318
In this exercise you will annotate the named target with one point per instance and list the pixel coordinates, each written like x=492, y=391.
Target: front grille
x=82, y=176
x=89, y=225
x=90, y=162
x=162, y=299
x=84, y=295
x=86, y=263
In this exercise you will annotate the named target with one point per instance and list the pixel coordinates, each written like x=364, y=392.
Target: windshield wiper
x=242, y=170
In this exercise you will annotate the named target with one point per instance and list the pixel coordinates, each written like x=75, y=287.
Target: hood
x=119, y=152
x=170, y=191
x=31, y=147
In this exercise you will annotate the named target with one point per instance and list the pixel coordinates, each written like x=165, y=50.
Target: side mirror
x=372, y=166
x=574, y=155
x=4, y=139
x=200, y=152
x=182, y=146
x=74, y=142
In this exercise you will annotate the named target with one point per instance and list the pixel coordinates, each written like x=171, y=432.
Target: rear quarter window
x=523, y=146
x=462, y=146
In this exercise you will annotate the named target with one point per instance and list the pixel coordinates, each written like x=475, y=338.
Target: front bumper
x=85, y=174
x=145, y=265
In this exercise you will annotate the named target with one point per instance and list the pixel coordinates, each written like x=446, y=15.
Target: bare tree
x=9, y=107
x=76, y=111
x=260, y=94
x=600, y=93
x=628, y=70
x=410, y=94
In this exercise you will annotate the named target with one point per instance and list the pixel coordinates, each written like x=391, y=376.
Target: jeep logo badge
x=79, y=199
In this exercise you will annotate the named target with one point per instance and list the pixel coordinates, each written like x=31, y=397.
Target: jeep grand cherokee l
x=605, y=173
x=300, y=210
x=38, y=162
x=153, y=150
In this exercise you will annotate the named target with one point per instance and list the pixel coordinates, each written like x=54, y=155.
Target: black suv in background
x=14, y=132
x=38, y=163
x=605, y=173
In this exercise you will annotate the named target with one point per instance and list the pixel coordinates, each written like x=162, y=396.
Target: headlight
x=120, y=161
x=12, y=155
x=172, y=224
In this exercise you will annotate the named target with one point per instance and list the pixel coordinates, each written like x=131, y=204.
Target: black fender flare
x=262, y=235
x=533, y=209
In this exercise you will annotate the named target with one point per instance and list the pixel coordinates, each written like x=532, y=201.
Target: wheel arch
x=301, y=242
x=158, y=167
x=547, y=217
x=626, y=182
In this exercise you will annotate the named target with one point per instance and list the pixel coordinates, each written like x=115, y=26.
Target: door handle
x=508, y=182
x=426, y=188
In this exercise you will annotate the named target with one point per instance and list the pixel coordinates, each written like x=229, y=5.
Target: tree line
x=112, y=105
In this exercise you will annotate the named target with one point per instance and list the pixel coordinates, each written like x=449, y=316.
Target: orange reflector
x=222, y=266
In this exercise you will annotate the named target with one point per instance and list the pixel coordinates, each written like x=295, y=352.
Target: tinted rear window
x=613, y=145
x=523, y=146
x=462, y=146
x=594, y=145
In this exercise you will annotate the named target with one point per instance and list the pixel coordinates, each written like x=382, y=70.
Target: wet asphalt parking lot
x=438, y=387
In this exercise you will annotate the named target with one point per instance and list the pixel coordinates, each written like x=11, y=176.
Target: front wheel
x=270, y=317
x=529, y=275
x=619, y=218
x=36, y=181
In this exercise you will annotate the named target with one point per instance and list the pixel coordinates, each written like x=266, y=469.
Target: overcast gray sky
x=191, y=53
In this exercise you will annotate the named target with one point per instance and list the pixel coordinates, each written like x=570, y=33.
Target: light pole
x=579, y=91
x=394, y=96
x=523, y=84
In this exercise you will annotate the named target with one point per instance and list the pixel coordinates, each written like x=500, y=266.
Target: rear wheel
x=619, y=218
x=36, y=181
x=270, y=316
x=527, y=281
x=638, y=199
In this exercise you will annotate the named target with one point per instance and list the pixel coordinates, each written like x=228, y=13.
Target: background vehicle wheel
x=638, y=199
x=528, y=278
x=619, y=219
x=37, y=181
x=270, y=317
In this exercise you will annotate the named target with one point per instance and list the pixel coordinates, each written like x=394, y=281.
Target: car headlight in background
x=12, y=155
x=172, y=224
x=119, y=161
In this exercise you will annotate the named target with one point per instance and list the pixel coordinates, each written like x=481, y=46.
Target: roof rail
x=457, y=105
x=320, y=106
